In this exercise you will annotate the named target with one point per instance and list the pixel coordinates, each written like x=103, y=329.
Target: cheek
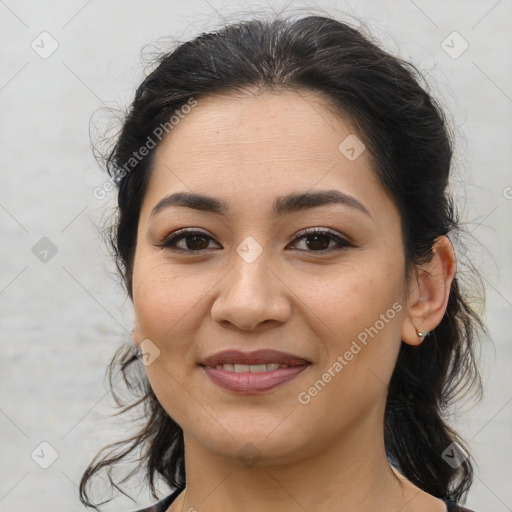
x=163, y=297
x=165, y=303
x=357, y=311
x=349, y=297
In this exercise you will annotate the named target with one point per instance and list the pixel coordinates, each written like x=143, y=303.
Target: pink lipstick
x=253, y=372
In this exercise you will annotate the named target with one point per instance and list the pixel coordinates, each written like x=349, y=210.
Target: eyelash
x=169, y=241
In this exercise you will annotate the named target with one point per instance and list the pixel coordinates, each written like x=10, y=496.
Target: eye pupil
x=196, y=238
x=316, y=245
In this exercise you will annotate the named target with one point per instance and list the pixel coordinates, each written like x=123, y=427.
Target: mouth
x=253, y=372
x=251, y=368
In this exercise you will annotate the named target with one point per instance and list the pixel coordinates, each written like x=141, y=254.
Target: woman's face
x=253, y=280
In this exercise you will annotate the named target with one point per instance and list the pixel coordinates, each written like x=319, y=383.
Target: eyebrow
x=283, y=205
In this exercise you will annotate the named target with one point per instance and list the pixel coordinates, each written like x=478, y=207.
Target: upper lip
x=264, y=356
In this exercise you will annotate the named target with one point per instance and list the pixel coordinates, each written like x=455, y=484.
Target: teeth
x=252, y=368
x=228, y=367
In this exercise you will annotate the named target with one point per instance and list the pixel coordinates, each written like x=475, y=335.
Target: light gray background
x=61, y=320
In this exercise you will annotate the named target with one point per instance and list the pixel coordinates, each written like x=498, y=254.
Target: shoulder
x=163, y=504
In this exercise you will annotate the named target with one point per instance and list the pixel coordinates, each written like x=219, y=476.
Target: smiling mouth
x=251, y=368
x=255, y=361
x=252, y=382
x=252, y=372
x=253, y=378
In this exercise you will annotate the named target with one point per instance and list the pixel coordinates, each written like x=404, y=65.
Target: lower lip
x=253, y=382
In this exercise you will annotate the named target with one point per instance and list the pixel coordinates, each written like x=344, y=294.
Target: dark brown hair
x=406, y=133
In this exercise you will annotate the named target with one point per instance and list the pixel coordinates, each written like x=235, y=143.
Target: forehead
x=256, y=129
x=262, y=145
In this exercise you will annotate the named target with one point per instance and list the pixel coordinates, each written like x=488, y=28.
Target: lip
x=263, y=356
x=253, y=382
x=248, y=382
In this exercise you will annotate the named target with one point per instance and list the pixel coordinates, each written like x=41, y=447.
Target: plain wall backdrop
x=62, y=309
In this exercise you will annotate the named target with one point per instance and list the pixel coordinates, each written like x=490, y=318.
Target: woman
x=282, y=233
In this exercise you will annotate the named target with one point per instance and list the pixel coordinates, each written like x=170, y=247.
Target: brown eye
x=318, y=240
x=195, y=242
x=186, y=240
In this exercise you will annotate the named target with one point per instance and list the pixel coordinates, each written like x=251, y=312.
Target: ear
x=428, y=293
x=137, y=337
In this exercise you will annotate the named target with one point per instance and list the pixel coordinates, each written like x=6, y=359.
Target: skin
x=327, y=454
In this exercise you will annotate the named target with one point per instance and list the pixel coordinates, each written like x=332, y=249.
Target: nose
x=251, y=294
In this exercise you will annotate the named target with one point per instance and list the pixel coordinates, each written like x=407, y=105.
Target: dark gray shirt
x=164, y=504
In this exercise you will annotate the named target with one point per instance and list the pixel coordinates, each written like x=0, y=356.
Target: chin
x=268, y=443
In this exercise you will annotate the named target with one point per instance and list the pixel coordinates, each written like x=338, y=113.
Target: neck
x=348, y=474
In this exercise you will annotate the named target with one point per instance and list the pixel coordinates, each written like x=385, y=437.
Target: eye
x=320, y=239
x=317, y=240
x=191, y=240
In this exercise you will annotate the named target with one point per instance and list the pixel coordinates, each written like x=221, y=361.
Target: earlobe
x=429, y=293
x=135, y=332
